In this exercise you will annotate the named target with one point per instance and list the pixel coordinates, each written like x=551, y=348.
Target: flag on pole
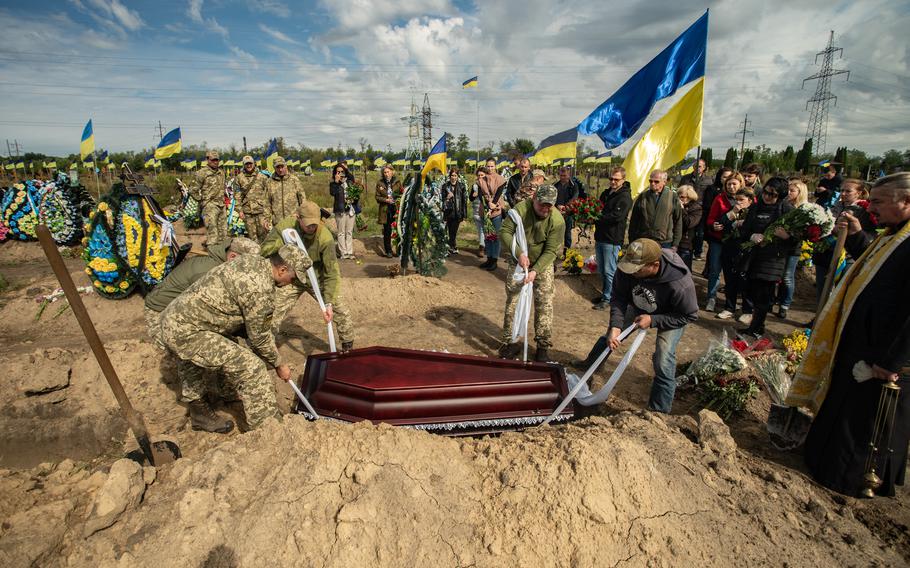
x=270, y=154
x=436, y=159
x=560, y=145
x=169, y=145
x=87, y=146
x=668, y=140
x=605, y=157
x=470, y=83
x=620, y=116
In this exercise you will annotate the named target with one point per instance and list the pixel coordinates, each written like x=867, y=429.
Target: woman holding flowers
x=388, y=189
x=714, y=232
x=797, y=194
x=346, y=207
x=766, y=260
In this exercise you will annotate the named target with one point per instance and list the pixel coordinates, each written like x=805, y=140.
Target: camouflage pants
x=215, y=219
x=286, y=297
x=255, y=226
x=194, y=382
x=543, y=306
x=239, y=366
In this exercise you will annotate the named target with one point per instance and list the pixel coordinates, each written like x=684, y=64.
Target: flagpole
x=477, y=100
x=95, y=170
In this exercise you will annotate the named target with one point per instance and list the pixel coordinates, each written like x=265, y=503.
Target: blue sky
x=326, y=72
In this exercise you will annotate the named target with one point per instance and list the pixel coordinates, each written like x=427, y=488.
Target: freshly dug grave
x=631, y=489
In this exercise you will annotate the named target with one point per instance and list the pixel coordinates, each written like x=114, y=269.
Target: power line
x=745, y=130
x=817, y=128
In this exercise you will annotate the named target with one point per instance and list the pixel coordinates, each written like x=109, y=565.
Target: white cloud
x=277, y=34
x=273, y=7
x=129, y=18
x=356, y=14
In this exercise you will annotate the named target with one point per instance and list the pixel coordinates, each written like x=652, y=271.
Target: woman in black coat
x=691, y=219
x=454, y=206
x=764, y=263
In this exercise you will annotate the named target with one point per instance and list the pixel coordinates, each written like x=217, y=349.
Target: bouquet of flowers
x=796, y=344
x=586, y=210
x=772, y=368
x=489, y=231
x=574, y=262
x=808, y=222
x=805, y=253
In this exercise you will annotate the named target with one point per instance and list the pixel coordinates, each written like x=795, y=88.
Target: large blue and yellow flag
x=470, y=83
x=560, y=145
x=87, y=146
x=437, y=159
x=668, y=140
x=620, y=116
x=169, y=145
x=150, y=161
x=270, y=154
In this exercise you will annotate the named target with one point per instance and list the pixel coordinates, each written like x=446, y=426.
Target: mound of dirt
x=599, y=492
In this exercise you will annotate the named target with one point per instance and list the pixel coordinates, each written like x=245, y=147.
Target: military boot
x=346, y=346
x=509, y=350
x=204, y=418
x=542, y=355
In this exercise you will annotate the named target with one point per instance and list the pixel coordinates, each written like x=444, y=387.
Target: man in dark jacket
x=610, y=230
x=702, y=182
x=827, y=187
x=517, y=180
x=654, y=286
x=566, y=191
x=657, y=213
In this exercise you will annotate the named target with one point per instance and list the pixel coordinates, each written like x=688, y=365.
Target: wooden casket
x=440, y=392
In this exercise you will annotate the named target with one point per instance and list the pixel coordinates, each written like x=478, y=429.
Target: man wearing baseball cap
x=200, y=324
x=251, y=183
x=654, y=286
x=544, y=230
x=320, y=246
x=208, y=190
x=284, y=192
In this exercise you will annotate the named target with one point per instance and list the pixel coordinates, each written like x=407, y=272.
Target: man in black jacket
x=701, y=181
x=517, y=180
x=566, y=191
x=610, y=231
x=828, y=185
x=654, y=286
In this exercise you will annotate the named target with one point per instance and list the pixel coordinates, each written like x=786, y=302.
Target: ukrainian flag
x=270, y=154
x=437, y=158
x=169, y=145
x=150, y=162
x=560, y=145
x=605, y=158
x=470, y=83
x=87, y=146
x=51, y=165
x=687, y=168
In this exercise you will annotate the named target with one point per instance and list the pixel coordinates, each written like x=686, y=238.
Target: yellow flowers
x=579, y=264
x=124, y=285
x=573, y=262
x=110, y=289
x=155, y=255
x=102, y=206
x=102, y=265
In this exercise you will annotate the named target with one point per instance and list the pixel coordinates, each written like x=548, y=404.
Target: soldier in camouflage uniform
x=320, y=245
x=176, y=282
x=208, y=190
x=237, y=296
x=284, y=192
x=253, y=202
x=544, y=230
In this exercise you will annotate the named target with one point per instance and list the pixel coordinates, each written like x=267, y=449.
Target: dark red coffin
x=441, y=392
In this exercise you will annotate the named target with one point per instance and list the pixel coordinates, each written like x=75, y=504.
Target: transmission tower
x=742, y=135
x=426, y=124
x=413, y=120
x=817, y=129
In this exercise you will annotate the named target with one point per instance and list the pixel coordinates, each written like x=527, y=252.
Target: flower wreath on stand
x=421, y=230
x=60, y=213
x=18, y=213
x=586, y=211
x=235, y=223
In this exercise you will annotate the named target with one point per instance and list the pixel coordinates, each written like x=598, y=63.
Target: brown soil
x=621, y=486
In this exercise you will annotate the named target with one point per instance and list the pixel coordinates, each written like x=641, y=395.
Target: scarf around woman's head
x=813, y=378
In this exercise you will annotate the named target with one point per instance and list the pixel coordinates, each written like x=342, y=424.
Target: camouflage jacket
x=208, y=186
x=183, y=275
x=320, y=246
x=284, y=196
x=236, y=295
x=251, y=192
x=545, y=236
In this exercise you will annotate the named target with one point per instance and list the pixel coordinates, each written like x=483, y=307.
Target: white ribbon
x=292, y=237
x=584, y=395
x=303, y=399
x=526, y=295
x=584, y=379
x=168, y=237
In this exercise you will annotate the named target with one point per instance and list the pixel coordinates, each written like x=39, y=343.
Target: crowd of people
x=248, y=286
